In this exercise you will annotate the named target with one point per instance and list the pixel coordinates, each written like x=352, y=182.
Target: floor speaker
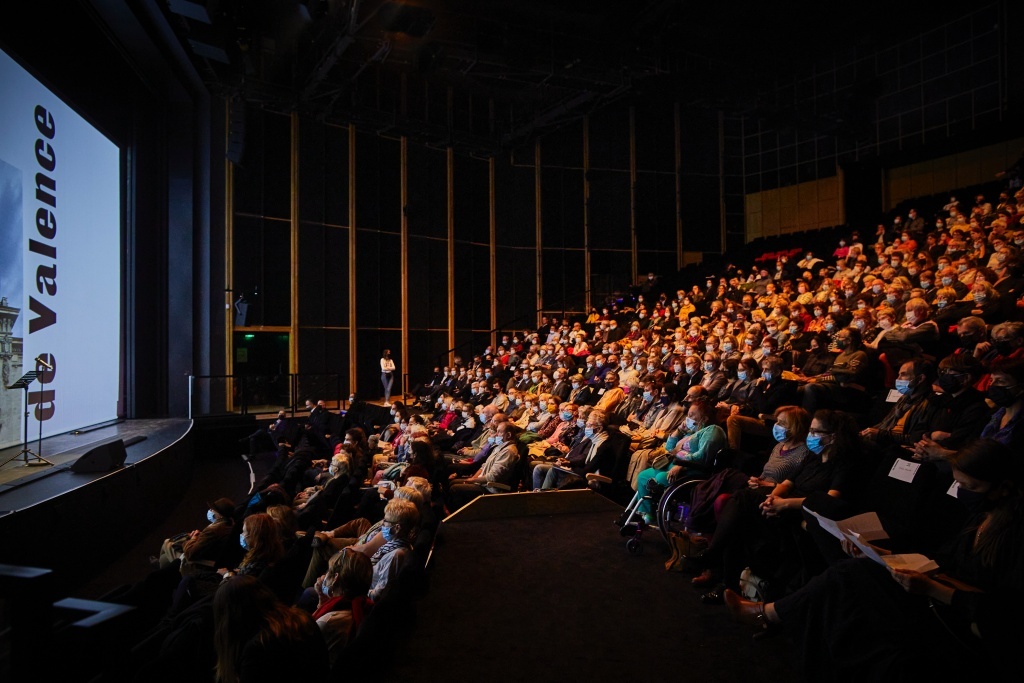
x=102, y=457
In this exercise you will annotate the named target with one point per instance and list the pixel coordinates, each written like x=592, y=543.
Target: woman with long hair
x=387, y=375
x=261, y=540
x=260, y=639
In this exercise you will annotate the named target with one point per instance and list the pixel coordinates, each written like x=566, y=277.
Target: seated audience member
x=699, y=439
x=206, y=545
x=953, y=415
x=914, y=385
x=499, y=467
x=263, y=544
x=770, y=392
x=873, y=621
x=342, y=602
x=260, y=639
x=401, y=521
x=595, y=454
x=843, y=386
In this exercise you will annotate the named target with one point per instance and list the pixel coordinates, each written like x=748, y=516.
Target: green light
x=250, y=336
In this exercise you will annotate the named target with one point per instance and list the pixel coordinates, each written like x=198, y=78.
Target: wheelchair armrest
x=593, y=477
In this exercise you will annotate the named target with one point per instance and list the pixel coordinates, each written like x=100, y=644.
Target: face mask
x=387, y=533
x=588, y=432
x=709, y=348
x=648, y=396
x=912, y=317
x=962, y=268
x=333, y=470
x=843, y=343
x=779, y=432
x=767, y=376
x=829, y=327
x=210, y=517
x=891, y=298
x=709, y=367
x=876, y=290
x=326, y=589
x=742, y=375
x=553, y=409
x=690, y=369
x=1003, y=396
x=691, y=424
x=818, y=314
x=727, y=347
x=978, y=298
x=766, y=350
x=950, y=384
x=243, y=541
x=814, y=444
x=903, y=385
x=972, y=500
x=926, y=284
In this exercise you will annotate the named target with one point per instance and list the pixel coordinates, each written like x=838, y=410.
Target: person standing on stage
x=387, y=375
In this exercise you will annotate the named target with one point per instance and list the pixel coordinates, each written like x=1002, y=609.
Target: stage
x=74, y=522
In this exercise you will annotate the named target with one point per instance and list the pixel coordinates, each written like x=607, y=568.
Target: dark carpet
x=558, y=597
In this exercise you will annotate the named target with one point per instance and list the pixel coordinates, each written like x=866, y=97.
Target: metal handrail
x=243, y=379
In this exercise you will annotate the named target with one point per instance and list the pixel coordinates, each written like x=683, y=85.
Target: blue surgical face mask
x=326, y=589
x=210, y=516
x=767, y=376
x=814, y=443
x=243, y=541
x=691, y=424
x=581, y=422
x=903, y=385
x=566, y=415
x=648, y=396
x=742, y=375
x=779, y=432
x=387, y=533
x=588, y=432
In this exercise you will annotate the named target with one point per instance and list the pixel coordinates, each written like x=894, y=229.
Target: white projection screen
x=60, y=261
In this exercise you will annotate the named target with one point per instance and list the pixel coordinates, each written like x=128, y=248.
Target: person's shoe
x=705, y=578
x=745, y=611
x=715, y=596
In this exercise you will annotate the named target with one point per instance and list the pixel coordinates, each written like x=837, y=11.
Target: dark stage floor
x=22, y=486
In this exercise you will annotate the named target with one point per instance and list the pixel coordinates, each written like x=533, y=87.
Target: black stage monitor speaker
x=102, y=457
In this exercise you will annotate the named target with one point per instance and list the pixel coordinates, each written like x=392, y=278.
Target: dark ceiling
x=515, y=68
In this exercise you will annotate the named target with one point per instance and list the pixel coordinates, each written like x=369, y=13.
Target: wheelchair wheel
x=670, y=506
x=635, y=546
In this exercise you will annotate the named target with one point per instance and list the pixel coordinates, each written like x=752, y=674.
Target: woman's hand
x=772, y=505
x=915, y=583
x=675, y=472
x=753, y=482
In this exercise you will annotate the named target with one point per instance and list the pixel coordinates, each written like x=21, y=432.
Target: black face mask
x=1003, y=396
x=972, y=500
x=842, y=344
x=950, y=384
x=1005, y=347
x=968, y=339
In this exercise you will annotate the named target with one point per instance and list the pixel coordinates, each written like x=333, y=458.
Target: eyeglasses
x=820, y=432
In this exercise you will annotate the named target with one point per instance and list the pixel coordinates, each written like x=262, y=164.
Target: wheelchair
x=672, y=507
